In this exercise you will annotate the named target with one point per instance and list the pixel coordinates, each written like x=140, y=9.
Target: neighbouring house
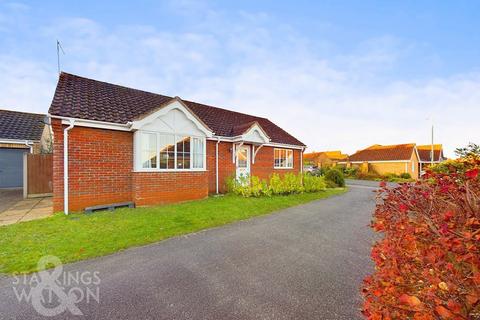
x=426, y=156
x=116, y=144
x=381, y=160
x=324, y=159
x=20, y=132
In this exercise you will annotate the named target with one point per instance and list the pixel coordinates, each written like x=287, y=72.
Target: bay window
x=283, y=158
x=162, y=152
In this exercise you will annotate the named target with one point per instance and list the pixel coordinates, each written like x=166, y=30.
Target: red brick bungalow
x=130, y=145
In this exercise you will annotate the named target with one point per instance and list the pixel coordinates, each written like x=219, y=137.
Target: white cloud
x=257, y=65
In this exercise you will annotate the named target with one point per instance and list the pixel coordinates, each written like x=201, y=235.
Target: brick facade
x=263, y=166
x=168, y=187
x=101, y=171
x=100, y=166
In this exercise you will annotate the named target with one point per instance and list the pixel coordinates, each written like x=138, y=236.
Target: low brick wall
x=168, y=187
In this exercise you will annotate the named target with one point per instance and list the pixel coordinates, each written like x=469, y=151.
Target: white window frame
x=137, y=154
x=287, y=150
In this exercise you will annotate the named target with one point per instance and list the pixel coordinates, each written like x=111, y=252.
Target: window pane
x=242, y=158
x=290, y=158
x=197, y=153
x=183, y=152
x=148, y=145
x=283, y=158
x=167, y=155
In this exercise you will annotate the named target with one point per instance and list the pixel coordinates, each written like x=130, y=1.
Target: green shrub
x=335, y=176
x=330, y=184
x=292, y=183
x=368, y=176
x=276, y=184
x=350, y=172
x=313, y=183
x=288, y=184
x=405, y=175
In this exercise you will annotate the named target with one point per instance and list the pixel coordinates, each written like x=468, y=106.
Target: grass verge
x=79, y=236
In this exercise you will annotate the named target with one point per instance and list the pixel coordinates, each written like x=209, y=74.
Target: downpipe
x=65, y=165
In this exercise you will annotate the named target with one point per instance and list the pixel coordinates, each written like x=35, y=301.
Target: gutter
x=65, y=165
x=29, y=144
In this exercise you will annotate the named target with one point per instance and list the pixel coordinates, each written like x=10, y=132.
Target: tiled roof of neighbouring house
x=17, y=125
x=336, y=155
x=84, y=98
x=384, y=153
x=424, y=152
x=333, y=155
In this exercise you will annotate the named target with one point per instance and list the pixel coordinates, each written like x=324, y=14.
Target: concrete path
x=26, y=210
x=305, y=262
x=8, y=197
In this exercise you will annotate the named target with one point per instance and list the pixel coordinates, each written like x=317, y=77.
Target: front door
x=243, y=162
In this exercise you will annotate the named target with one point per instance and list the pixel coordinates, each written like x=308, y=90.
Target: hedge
x=427, y=265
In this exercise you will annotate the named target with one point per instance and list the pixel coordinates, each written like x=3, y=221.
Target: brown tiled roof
x=384, y=153
x=424, y=152
x=84, y=98
x=333, y=155
x=17, y=125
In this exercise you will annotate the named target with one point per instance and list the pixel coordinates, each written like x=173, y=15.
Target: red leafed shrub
x=427, y=265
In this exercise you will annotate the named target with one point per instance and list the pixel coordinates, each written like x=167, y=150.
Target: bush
x=427, y=265
x=368, y=176
x=405, y=175
x=313, y=184
x=350, y=172
x=330, y=184
x=289, y=184
x=336, y=176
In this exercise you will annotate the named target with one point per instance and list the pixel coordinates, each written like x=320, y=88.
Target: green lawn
x=80, y=236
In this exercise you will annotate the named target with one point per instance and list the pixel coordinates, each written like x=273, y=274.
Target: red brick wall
x=168, y=187
x=226, y=168
x=101, y=172
x=263, y=166
x=264, y=161
x=100, y=166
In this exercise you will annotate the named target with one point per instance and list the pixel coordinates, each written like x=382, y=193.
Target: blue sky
x=336, y=74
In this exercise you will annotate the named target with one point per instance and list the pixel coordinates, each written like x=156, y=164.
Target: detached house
x=427, y=157
x=378, y=159
x=324, y=159
x=116, y=144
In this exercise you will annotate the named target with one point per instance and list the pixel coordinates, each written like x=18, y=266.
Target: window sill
x=283, y=168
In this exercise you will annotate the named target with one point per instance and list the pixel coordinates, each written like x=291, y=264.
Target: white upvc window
x=283, y=158
x=155, y=151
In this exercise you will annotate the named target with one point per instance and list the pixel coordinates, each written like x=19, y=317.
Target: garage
x=11, y=167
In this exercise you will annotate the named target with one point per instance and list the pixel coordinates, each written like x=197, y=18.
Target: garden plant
x=427, y=264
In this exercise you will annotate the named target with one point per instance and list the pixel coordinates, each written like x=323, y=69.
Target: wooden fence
x=38, y=175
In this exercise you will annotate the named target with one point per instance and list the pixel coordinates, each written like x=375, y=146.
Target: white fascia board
x=259, y=128
x=94, y=123
x=270, y=144
x=376, y=161
x=18, y=141
x=175, y=104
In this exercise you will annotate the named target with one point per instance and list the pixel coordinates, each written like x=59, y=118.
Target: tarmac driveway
x=305, y=262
